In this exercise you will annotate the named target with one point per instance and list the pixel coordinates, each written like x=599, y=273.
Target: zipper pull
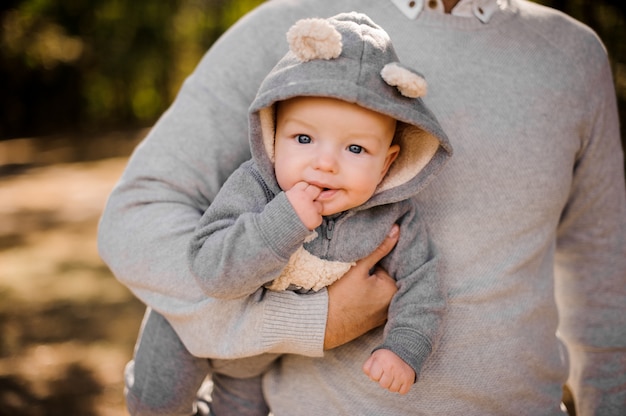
x=330, y=227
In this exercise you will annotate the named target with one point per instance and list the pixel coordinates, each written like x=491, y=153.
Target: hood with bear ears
x=350, y=58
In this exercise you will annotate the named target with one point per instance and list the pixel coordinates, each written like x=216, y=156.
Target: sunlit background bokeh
x=81, y=81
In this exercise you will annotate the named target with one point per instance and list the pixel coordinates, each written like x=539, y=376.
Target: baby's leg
x=237, y=389
x=164, y=377
x=237, y=396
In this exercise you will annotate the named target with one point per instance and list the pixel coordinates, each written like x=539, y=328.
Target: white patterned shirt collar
x=480, y=9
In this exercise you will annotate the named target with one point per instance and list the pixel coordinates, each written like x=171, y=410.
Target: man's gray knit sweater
x=529, y=218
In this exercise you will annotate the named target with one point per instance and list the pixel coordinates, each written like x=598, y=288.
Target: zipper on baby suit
x=330, y=228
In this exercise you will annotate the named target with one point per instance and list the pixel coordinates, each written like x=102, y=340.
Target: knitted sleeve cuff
x=413, y=347
x=295, y=323
x=281, y=227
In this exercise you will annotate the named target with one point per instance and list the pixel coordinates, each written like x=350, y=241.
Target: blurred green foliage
x=94, y=65
x=99, y=64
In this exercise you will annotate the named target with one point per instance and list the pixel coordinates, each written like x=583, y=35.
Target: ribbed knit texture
x=528, y=103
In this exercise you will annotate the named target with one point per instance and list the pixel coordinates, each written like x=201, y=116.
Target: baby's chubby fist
x=302, y=196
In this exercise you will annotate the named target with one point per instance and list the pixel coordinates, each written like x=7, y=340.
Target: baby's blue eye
x=355, y=148
x=303, y=138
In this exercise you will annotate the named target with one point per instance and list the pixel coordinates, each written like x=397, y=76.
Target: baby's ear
x=392, y=155
x=314, y=39
x=409, y=83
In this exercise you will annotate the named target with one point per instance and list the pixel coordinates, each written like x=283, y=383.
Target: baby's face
x=341, y=147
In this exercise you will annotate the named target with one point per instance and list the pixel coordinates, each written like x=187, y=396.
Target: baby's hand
x=303, y=199
x=390, y=371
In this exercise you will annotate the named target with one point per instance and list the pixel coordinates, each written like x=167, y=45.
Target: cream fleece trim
x=417, y=148
x=309, y=272
x=266, y=115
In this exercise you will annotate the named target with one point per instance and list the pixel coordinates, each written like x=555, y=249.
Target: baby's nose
x=326, y=161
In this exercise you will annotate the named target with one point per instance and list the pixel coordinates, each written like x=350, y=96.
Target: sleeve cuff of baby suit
x=281, y=227
x=409, y=345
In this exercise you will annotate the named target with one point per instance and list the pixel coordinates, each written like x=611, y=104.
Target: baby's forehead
x=333, y=116
x=305, y=104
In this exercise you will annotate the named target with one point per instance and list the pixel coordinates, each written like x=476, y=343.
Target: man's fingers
x=382, y=250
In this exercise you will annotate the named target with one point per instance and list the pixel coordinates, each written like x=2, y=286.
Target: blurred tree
x=88, y=65
x=93, y=65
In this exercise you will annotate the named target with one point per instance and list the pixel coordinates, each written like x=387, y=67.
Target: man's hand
x=390, y=371
x=303, y=199
x=358, y=302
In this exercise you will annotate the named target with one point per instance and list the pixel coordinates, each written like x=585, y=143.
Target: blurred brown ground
x=67, y=326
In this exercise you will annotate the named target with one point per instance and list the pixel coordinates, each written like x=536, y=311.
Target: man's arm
x=591, y=257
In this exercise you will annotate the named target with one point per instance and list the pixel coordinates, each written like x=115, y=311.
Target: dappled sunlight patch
x=68, y=326
x=65, y=378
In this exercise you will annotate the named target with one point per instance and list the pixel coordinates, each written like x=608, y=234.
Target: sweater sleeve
x=244, y=241
x=416, y=310
x=171, y=178
x=591, y=256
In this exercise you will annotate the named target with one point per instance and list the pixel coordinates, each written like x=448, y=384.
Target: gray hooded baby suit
x=250, y=239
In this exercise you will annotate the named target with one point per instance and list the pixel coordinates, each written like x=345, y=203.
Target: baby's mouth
x=326, y=193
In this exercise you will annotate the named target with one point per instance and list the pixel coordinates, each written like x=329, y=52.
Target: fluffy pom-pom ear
x=314, y=39
x=408, y=82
